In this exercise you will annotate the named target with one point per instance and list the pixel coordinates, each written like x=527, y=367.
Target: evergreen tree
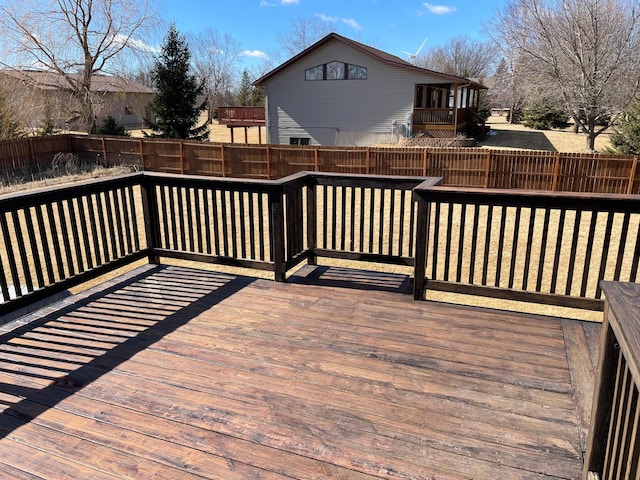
x=257, y=97
x=544, y=117
x=243, y=99
x=178, y=100
x=110, y=126
x=626, y=135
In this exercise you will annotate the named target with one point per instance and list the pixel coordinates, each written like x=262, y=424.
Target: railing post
x=151, y=218
x=312, y=229
x=276, y=234
x=422, y=234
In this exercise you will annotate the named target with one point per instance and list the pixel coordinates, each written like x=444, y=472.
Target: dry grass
x=222, y=134
x=505, y=135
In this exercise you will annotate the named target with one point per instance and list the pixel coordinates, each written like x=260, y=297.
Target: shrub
x=544, y=117
x=110, y=126
x=626, y=134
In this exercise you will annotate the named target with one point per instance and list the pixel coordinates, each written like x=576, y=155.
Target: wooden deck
x=173, y=373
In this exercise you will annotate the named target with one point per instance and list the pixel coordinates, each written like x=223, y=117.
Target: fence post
x=224, y=166
x=276, y=234
x=104, y=152
x=487, y=168
x=632, y=175
x=425, y=158
x=268, y=155
x=181, y=150
x=141, y=145
x=367, y=161
x=422, y=233
x=556, y=172
x=315, y=159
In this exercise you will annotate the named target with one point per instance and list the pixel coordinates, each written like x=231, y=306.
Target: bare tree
x=76, y=39
x=304, y=32
x=462, y=57
x=584, y=53
x=215, y=61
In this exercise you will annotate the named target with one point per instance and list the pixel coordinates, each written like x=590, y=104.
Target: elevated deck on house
x=175, y=373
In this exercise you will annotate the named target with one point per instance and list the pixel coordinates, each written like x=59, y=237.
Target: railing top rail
x=543, y=198
x=47, y=194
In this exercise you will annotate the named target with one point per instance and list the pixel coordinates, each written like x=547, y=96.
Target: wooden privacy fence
x=460, y=167
x=464, y=167
x=31, y=154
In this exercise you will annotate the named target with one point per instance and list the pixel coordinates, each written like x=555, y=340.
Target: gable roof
x=379, y=55
x=47, y=80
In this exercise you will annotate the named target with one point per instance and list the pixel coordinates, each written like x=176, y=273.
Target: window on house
x=336, y=71
x=128, y=110
x=315, y=73
x=357, y=73
x=299, y=141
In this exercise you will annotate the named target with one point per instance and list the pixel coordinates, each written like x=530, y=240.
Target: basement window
x=299, y=141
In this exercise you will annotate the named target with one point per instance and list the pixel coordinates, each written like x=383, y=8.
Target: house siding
x=341, y=112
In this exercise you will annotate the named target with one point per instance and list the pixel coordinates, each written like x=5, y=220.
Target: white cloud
x=135, y=43
x=439, y=9
x=352, y=23
x=347, y=21
x=326, y=18
x=254, y=54
x=266, y=3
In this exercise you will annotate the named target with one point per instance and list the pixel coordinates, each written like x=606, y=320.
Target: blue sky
x=390, y=25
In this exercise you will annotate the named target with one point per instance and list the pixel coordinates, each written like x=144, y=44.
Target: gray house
x=341, y=92
x=43, y=97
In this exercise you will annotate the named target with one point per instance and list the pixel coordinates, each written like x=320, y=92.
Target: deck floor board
x=178, y=373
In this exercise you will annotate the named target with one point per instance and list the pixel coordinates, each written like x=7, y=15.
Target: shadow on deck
x=176, y=373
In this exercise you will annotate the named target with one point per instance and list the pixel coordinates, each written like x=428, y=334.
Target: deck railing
x=60, y=237
x=529, y=246
x=541, y=247
x=613, y=449
x=241, y=115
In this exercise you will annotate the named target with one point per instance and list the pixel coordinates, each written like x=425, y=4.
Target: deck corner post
x=151, y=218
x=421, y=236
x=276, y=234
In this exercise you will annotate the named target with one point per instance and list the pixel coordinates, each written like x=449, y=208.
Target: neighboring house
x=341, y=92
x=43, y=98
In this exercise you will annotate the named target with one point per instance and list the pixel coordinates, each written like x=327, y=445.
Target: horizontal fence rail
x=513, y=245
x=465, y=167
x=59, y=237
